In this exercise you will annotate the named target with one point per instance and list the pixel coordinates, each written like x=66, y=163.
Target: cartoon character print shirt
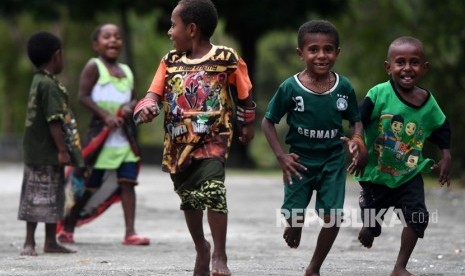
x=314, y=119
x=198, y=105
x=396, y=135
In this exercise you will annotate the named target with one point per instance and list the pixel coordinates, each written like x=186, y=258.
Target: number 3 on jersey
x=299, y=103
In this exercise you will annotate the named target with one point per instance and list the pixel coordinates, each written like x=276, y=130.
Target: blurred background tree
x=263, y=32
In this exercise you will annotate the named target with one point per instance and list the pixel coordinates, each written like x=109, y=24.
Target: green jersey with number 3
x=315, y=119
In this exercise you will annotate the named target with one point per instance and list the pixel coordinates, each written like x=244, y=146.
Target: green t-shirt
x=315, y=120
x=48, y=101
x=396, y=135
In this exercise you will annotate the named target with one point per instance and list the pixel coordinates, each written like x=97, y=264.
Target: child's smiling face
x=109, y=42
x=406, y=63
x=319, y=52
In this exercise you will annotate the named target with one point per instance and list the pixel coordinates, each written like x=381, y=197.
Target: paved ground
x=255, y=246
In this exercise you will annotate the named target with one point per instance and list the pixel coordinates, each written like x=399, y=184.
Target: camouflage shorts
x=202, y=186
x=211, y=195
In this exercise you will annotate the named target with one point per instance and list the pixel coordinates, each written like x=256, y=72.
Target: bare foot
x=401, y=272
x=292, y=236
x=202, y=261
x=220, y=265
x=366, y=237
x=310, y=273
x=28, y=250
x=56, y=248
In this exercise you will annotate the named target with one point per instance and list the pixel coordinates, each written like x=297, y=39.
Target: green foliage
x=16, y=71
x=276, y=61
x=149, y=47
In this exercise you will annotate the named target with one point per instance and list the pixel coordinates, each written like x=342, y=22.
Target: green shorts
x=326, y=176
x=202, y=186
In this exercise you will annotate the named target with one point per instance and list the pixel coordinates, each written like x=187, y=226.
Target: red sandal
x=136, y=239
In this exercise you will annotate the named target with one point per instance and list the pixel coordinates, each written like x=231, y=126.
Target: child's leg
x=373, y=206
x=51, y=245
x=219, y=225
x=128, y=201
x=415, y=217
x=293, y=233
x=69, y=222
x=324, y=243
x=296, y=199
x=202, y=187
x=329, y=204
x=408, y=241
x=194, y=221
x=365, y=237
x=30, y=243
x=127, y=180
x=371, y=226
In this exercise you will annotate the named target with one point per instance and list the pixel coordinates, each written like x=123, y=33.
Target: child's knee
x=418, y=220
x=127, y=183
x=215, y=195
x=332, y=220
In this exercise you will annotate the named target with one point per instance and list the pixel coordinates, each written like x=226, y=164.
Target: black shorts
x=408, y=201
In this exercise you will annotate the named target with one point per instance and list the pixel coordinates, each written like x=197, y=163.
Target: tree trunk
x=239, y=155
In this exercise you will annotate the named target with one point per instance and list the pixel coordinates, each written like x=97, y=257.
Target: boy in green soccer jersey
x=316, y=101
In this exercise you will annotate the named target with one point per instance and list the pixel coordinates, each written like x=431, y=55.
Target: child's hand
x=148, y=113
x=290, y=166
x=443, y=165
x=359, y=156
x=63, y=158
x=113, y=121
x=127, y=110
x=247, y=133
x=357, y=166
x=146, y=110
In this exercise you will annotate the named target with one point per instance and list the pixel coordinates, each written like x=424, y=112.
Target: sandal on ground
x=136, y=239
x=65, y=237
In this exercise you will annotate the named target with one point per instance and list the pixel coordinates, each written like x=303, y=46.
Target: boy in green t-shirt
x=51, y=141
x=398, y=116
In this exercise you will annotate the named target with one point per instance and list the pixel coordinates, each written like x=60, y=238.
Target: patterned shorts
x=42, y=194
x=201, y=186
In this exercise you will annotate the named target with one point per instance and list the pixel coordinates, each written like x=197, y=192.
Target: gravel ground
x=255, y=246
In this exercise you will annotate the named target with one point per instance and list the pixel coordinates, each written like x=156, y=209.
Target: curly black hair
x=317, y=26
x=41, y=46
x=201, y=12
